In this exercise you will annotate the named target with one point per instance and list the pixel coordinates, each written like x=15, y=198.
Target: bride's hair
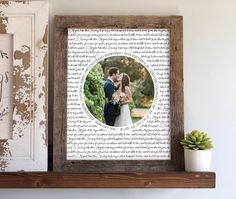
x=125, y=81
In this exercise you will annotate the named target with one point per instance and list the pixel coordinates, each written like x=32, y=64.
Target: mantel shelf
x=105, y=180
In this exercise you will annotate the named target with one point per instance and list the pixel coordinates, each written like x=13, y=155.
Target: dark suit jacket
x=110, y=109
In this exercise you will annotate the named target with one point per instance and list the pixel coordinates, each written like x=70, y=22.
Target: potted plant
x=197, y=151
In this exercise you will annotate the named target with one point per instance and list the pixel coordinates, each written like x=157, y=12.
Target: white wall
x=210, y=88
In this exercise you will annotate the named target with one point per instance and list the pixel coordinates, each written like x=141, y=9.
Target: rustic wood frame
x=174, y=24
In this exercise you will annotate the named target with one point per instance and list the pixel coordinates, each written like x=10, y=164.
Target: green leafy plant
x=94, y=92
x=197, y=140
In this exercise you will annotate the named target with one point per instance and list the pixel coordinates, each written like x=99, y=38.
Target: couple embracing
x=116, y=110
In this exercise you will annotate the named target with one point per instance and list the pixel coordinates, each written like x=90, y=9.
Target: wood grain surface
x=119, y=180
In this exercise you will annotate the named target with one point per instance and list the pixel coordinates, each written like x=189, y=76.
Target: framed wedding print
x=118, y=94
x=23, y=85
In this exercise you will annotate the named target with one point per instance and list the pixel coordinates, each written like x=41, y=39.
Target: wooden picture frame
x=25, y=24
x=174, y=26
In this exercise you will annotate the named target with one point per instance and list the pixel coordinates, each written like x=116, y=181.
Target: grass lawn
x=136, y=119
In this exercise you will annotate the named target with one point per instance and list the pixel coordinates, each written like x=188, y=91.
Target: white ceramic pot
x=197, y=160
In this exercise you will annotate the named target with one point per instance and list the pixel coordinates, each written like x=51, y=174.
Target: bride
x=124, y=119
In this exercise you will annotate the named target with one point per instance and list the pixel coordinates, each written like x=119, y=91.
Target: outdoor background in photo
x=141, y=85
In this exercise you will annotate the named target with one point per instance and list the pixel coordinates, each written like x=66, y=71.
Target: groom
x=111, y=111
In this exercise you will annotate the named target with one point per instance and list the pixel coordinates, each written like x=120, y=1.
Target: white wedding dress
x=124, y=119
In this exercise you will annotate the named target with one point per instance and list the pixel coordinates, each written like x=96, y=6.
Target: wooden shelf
x=124, y=180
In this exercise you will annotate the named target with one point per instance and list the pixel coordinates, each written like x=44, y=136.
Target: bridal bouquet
x=117, y=98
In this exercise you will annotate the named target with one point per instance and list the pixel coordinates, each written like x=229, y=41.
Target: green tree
x=94, y=92
x=137, y=88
